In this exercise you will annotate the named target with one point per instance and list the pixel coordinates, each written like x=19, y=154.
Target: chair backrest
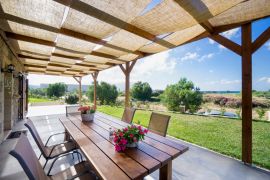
x=128, y=115
x=159, y=123
x=72, y=110
x=30, y=125
x=27, y=158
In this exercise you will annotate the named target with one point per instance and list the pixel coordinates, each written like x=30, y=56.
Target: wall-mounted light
x=10, y=68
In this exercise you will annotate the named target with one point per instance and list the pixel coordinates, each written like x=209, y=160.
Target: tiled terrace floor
x=197, y=163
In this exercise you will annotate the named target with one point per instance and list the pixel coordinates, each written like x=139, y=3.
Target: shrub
x=182, y=93
x=261, y=113
x=238, y=113
x=72, y=99
x=222, y=111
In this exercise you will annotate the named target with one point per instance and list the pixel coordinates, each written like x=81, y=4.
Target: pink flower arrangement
x=87, y=109
x=128, y=135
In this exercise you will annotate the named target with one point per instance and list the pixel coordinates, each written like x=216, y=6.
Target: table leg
x=165, y=172
x=67, y=136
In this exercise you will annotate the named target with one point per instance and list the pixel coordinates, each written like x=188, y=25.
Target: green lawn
x=38, y=100
x=219, y=134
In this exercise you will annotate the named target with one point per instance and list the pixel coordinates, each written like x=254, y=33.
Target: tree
x=56, y=90
x=182, y=93
x=106, y=93
x=72, y=99
x=141, y=91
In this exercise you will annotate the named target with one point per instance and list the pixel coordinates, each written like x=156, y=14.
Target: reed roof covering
x=79, y=37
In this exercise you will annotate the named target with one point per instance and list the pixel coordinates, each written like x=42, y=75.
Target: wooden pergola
x=76, y=38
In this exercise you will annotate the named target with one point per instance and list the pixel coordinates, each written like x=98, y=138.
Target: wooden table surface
x=154, y=152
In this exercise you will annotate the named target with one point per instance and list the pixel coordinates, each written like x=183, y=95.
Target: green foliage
x=238, y=112
x=56, y=90
x=222, y=111
x=106, y=93
x=261, y=113
x=141, y=91
x=72, y=99
x=37, y=92
x=182, y=93
x=265, y=94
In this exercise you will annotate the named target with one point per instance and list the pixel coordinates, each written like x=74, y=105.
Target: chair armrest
x=52, y=136
x=60, y=156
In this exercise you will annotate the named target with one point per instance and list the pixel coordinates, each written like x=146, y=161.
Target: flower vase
x=132, y=145
x=88, y=117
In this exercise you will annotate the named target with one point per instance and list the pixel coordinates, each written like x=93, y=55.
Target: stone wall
x=8, y=88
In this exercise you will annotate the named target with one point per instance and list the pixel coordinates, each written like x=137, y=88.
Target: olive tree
x=106, y=93
x=56, y=90
x=141, y=91
x=182, y=93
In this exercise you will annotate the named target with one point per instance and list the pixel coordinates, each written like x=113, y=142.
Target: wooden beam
x=27, y=22
x=265, y=36
x=34, y=58
x=108, y=18
x=29, y=39
x=36, y=65
x=246, y=94
x=94, y=76
x=59, y=65
x=67, y=57
x=227, y=43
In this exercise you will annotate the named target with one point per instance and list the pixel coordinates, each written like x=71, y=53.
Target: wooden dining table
x=93, y=139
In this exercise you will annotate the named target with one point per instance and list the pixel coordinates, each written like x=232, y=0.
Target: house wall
x=8, y=88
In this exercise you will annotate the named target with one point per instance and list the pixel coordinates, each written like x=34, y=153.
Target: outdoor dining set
x=95, y=148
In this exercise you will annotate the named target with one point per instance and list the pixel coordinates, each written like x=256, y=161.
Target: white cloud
x=206, y=56
x=189, y=56
x=211, y=71
x=221, y=47
x=211, y=41
x=231, y=33
x=157, y=63
x=225, y=82
x=268, y=45
x=264, y=79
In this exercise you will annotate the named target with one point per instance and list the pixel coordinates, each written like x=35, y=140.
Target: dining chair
x=72, y=110
x=50, y=152
x=27, y=158
x=128, y=115
x=158, y=123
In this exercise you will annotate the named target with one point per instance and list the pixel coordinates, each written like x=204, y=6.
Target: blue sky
x=209, y=65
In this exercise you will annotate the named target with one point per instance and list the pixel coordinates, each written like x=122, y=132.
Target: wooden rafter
x=30, y=39
x=34, y=58
x=66, y=32
x=108, y=18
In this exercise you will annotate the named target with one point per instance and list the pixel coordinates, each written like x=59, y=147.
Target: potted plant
x=128, y=137
x=87, y=113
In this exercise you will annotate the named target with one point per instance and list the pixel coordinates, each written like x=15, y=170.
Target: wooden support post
x=95, y=75
x=126, y=70
x=246, y=94
x=79, y=80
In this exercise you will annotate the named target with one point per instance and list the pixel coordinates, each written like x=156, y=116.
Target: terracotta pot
x=88, y=117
